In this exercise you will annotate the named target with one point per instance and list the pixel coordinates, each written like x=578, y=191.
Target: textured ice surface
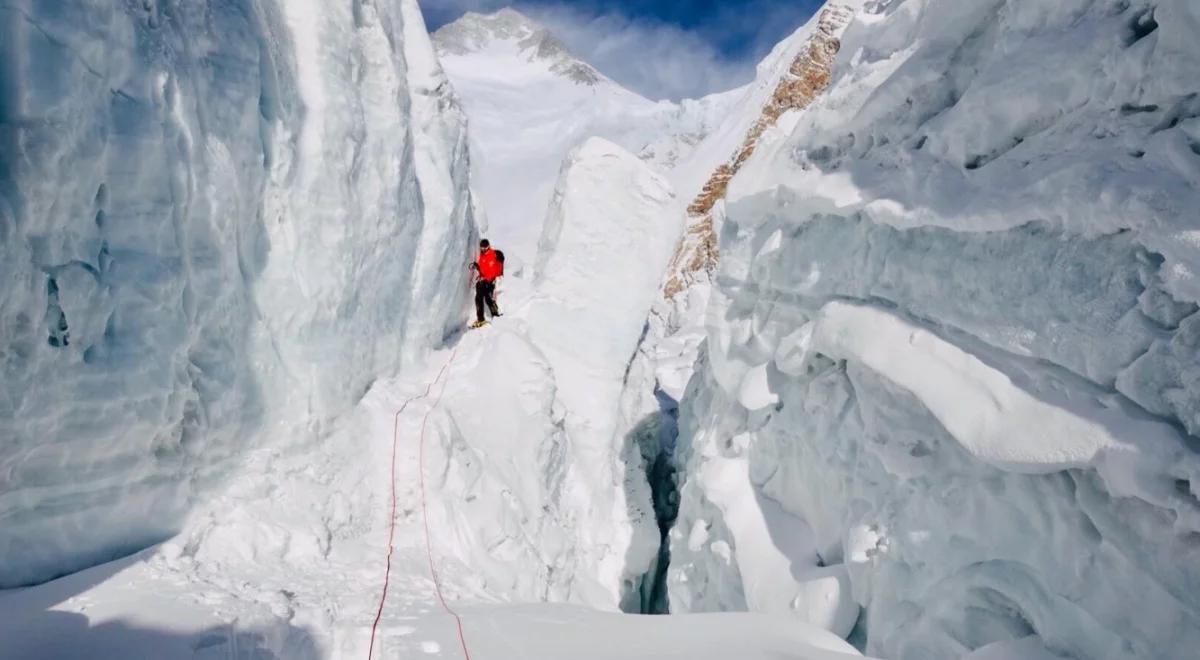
x=219, y=224
x=967, y=278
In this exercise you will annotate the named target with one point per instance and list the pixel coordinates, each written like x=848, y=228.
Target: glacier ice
x=534, y=491
x=220, y=223
x=952, y=335
x=551, y=382
x=943, y=388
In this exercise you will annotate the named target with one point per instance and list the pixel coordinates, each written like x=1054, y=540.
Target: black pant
x=485, y=292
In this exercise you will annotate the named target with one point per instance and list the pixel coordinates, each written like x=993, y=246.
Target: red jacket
x=489, y=265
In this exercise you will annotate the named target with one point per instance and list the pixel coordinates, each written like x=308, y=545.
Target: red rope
x=437, y=585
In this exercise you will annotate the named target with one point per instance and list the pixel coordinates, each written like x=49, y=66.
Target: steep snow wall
x=219, y=224
x=950, y=351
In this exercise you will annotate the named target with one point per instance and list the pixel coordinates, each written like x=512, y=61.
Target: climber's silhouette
x=488, y=268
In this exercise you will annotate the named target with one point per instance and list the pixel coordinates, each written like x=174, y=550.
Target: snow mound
x=953, y=336
x=218, y=225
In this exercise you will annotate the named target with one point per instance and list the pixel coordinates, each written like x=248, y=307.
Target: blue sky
x=659, y=48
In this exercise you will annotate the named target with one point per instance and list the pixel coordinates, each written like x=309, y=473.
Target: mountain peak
x=474, y=32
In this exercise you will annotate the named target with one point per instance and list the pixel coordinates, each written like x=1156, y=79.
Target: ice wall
x=949, y=345
x=219, y=224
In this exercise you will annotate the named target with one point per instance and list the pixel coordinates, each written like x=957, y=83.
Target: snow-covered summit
x=510, y=30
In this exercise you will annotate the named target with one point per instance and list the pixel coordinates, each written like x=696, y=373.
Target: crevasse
x=218, y=224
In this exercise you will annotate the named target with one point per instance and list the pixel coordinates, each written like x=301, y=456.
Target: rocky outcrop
x=805, y=80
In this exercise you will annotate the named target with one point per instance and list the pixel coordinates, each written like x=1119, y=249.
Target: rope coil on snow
x=437, y=585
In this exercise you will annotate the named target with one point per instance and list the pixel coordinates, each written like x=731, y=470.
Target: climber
x=488, y=268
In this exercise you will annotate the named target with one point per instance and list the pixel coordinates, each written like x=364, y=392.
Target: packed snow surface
x=952, y=344
x=134, y=623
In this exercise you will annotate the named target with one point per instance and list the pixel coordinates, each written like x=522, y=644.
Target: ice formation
x=949, y=337
x=541, y=485
x=922, y=363
x=220, y=224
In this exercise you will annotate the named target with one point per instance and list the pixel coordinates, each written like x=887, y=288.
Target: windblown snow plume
x=950, y=375
x=219, y=224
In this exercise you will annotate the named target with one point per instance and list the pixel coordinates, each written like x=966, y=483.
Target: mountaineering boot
x=479, y=324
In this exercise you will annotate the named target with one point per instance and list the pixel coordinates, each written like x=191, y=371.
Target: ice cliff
x=531, y=102
x=219, y=224
x=950, y=351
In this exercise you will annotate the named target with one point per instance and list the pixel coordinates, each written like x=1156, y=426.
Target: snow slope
x=531, y=102
x=949, y=342
x=219, y=224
